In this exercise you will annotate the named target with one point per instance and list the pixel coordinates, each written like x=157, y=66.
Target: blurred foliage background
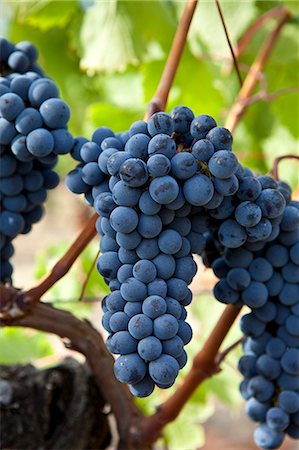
x=107, y=58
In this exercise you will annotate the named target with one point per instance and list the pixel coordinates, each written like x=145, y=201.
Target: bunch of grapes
x=168, y=189
x=33, y=132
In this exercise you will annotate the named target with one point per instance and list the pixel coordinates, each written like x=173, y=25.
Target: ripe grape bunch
x=33, y=132
x=165, y=190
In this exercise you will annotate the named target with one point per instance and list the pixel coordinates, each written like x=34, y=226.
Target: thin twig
x=84, y=285
x=33, y=295
x=229, y=43
x=239, y=108
x=159, y=100
x=87, y=340
x=222, y=355
x=254, y=27
x=204, y=366
x=276, y=162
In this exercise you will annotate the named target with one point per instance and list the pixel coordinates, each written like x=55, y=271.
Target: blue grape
x=7, y=131
x=41, y=90
x=124, y=219
x=149, y=348
x=40, y=142
x=256, y=410
x=115, y=302
x=164, y=189
x=226, y=187
x=260, y=269
x=266, y=438
x=158, y=165
x=145, y=271
x=10, y=106
x=248, y=214
x=133, y=290
x=238, y=279
x=148, y=249
x=247, y=365
x=157, y=287
x=140, y=126
x=224, y=293
x=182, y=118
x=165, y=326
x=169, y=242
x=119, y=321
x=108, y=264
x=290, y=361
x=140, y=326
x=202, y=150
x=277, y=419
x=290, y=218
x=55, y=113
x=260, y=388
x=183, y=165
x=147, y=205
x=162, y=144
x=124, y=195
x=28, y=120
x=231, y=234
x=292, y=325
x=201, y=125
x=144, y=388
x=198, y=190
x=271, y=202
x=137, y=146
x=18, y=61
x=129, y=368
x=268, y=367
x=160, y=122
x=223, y=164
x=289, y=401
x=249, y=189
x=129, y=241
x=133, y=172
x=149, y=226
x=259, y=232
x=184, y=332
x=164, y=369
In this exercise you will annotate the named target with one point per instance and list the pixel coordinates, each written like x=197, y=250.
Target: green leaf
x=47, y=14
x=184, y=433
x=207, y=31
x=292, y=6
x=99, y=114
x=114, y=34
x=21, y=346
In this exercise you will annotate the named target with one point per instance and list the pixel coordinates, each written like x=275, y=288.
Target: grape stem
x=235, y=62
x=80, y=336
x=205, y=365
x=84, y=285
x=158, y=102
x=276, y=162
x=240, y=106
x=254, y=28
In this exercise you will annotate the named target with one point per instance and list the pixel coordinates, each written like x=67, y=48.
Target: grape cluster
x=165, y=190
x=33, y=132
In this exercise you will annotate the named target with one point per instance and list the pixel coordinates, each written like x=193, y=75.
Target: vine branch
x=276, y=162
x=229, y=43
x=64, y=264
x=255, y=26
x=85, y=339
x=205, y=365
x=239, y=107
x=158, y=102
